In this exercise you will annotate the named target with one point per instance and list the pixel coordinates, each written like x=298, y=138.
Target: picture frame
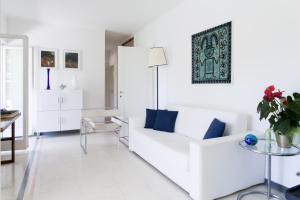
x=72, y=59
x=48, y=58
x=211, y=55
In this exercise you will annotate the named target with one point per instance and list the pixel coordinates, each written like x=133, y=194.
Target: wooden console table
x=4, y=124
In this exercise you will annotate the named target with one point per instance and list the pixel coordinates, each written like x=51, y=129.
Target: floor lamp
x=157, y=58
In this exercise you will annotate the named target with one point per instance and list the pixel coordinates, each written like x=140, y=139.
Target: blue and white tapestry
x=211, y=55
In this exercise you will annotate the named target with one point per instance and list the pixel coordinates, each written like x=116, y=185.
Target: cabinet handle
x=298, y=173
x=62, y=99
x=58, y=99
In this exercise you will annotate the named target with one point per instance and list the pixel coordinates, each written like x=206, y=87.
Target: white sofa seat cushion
x=174, y=141
x=168, y=152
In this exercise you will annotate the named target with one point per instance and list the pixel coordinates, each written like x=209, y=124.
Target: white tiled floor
x=108, y=172
x=11, y=176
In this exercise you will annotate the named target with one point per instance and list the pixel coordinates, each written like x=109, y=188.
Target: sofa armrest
x=135, y=122
x=220, y=167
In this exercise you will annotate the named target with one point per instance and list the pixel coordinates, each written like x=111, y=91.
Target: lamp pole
x=157, y=58
x=157, y=87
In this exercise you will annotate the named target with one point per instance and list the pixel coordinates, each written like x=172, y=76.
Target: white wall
x=265, y=50
x=91, y=43
x=2, y=19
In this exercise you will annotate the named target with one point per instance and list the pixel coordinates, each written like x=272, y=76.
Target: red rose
x=285, y=103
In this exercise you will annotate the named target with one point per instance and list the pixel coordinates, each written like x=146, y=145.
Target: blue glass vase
x=48, y=79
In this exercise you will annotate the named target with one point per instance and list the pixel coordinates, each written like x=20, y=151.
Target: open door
x=134, y=81
x=14, y=85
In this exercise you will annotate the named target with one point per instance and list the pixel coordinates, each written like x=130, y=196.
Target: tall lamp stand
x=157, y=58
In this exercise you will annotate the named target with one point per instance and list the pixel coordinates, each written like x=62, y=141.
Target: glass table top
x=270, y=147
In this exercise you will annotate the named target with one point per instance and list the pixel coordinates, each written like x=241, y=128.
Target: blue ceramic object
x=251, y=139
x=48, y=79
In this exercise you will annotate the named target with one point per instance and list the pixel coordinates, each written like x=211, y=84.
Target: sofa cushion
x=176, y=142
x=150, y=118
x=165, y=120
x=215, y=130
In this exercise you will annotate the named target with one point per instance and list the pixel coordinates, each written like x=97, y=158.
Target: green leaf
x=265, y=110
x=294, y=106
x=289, y=99
x=274, y=104
x=259, y=107
x=283, y=126
x=292, y=115
x=296, y=95
x=272, y=121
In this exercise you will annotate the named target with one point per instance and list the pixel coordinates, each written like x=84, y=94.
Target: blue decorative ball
x=251, y=139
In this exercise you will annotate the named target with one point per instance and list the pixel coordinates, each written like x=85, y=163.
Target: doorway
x=112, y=41
x=14, y=85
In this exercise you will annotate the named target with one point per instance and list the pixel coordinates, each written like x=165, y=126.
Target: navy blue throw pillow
x=165, y=120
x=150, y=118
x=215, y=130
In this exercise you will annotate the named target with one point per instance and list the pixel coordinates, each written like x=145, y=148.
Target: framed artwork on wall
x=48, y=58
x=71, y=59
x=211, y=55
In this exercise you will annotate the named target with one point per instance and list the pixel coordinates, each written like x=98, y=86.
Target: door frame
x=23, y=143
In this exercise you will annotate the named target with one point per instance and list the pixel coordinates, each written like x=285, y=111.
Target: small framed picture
x=71, y=59
x=48, y=58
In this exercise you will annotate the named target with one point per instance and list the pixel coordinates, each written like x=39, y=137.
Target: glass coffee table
x=268, y=148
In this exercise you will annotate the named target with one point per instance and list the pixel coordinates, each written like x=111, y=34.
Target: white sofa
x=206, y=169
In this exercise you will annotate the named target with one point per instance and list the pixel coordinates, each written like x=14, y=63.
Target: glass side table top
x=270, y=147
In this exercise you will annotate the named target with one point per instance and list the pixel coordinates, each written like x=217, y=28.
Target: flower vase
x=283, y=141
x=287, y=140
x=48, y=79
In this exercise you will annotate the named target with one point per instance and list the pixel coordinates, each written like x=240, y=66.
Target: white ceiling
x=124, y=16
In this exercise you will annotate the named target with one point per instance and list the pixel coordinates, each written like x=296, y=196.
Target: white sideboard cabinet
x=286, y=171
x=58, y=110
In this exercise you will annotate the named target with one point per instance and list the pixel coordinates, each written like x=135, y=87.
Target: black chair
x=293, y=193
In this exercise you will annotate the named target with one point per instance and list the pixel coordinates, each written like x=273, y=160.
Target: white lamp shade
x=157, y=57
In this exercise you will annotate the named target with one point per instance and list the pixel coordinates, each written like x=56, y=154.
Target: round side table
x=268, y=148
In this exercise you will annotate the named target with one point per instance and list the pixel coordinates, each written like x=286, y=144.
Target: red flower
x=285, y=103
x=269, y=98
x=277, y=94
x=270, y=89
x=270, y=95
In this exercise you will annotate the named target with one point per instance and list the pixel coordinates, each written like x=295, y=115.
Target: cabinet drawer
x=48, y=100
x=70, y=120
x=48, y=121
x=71, y=100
